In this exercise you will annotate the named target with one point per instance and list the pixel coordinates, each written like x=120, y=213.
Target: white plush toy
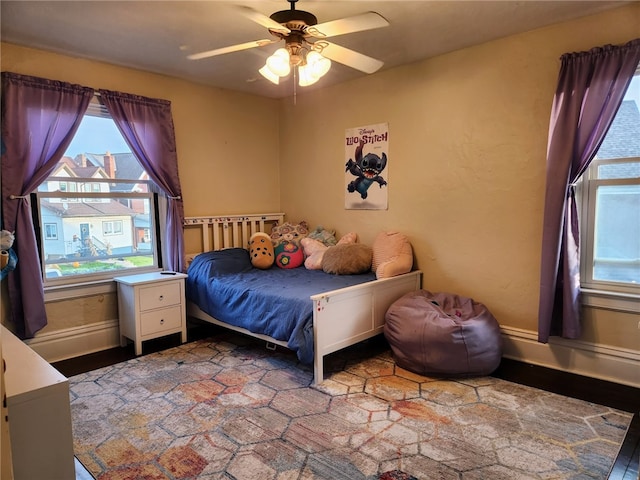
x=6, y=239
x=6, y=242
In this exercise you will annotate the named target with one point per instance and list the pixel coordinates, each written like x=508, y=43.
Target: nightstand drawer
x=159, y=296
x=160, y=320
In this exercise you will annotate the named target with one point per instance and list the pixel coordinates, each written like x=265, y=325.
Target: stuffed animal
x=326, y=237
x=351, y=237
x=6, y=239
x=286, y=243
x=289, y=233
x=392, y=255
x=261, y=250
x=6, y=255
x=289, y=255
x=313, y=253
x=347, y=259
x=314, y=249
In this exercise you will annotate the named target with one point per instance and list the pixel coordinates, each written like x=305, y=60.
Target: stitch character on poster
x=366, y=161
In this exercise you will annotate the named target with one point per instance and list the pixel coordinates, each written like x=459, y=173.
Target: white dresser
x=151, y=305
x=39, y=414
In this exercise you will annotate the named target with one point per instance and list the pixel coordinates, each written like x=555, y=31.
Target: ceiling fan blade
x=350, y=58
x=263, y=20
x=232, y=48
x=358, y=23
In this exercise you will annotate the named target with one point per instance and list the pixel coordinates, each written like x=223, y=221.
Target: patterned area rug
x=226, y=408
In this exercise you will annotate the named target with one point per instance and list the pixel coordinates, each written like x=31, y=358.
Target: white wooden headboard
x=227, y=231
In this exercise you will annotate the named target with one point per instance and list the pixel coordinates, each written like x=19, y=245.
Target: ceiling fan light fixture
x=278, y=63
x=306, y=77
x=308, y=58
x=266, y=72
x=318, y=64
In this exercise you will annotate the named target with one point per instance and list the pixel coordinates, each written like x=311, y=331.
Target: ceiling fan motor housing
x=294, y=19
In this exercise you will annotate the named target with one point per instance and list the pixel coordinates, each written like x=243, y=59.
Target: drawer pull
x=161, y=321
x=161, y=297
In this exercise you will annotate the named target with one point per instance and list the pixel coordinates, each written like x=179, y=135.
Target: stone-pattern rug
x=226, y=408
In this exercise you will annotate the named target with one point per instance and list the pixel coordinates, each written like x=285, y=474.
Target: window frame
x=79, y=280
x=588, y=187
x=70, y=286
x=611, y=295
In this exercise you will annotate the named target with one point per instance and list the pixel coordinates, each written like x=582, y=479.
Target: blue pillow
x=223, y=262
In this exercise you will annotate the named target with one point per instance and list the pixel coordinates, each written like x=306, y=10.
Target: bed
x=323, y=314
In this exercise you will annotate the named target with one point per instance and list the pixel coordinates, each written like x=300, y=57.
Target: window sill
x=622, y=302
x=56, y=293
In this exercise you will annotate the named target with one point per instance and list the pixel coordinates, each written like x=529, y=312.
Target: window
x=96, y=213
x=50, y=231
x=609, y=195
x=113, y=227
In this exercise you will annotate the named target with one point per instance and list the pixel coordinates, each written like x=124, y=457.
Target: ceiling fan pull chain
x=295, y=84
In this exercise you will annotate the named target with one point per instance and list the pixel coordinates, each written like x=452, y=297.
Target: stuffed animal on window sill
x=6, y=239
x=8, y=257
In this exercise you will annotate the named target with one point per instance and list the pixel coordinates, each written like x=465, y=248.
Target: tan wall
x=218, y=133
x=468, y=133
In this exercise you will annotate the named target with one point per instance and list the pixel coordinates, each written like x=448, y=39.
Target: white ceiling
x=157, y=36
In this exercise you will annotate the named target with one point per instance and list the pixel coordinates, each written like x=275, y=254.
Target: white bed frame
x=341, y=317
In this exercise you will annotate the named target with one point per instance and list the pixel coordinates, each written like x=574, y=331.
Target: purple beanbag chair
x=443, y=334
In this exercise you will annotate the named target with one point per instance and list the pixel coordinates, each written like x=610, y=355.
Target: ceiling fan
x=305, y=50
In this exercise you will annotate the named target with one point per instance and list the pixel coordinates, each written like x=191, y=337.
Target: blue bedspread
x=273, y=302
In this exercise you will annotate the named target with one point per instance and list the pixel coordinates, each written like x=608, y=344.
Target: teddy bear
x=286, y=243
x=289, y=233
x=6, y=242
x=6, y=239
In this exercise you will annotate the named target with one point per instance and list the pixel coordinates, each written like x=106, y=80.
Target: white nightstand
x=151, y=305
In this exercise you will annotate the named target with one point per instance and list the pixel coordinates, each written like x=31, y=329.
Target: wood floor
x=613, y=395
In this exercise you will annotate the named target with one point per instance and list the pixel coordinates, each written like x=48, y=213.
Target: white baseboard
x=604, y=362
x=76, y=341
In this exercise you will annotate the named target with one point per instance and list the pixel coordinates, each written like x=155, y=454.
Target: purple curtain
x=39, y=119
x=591, y=86
x=147, y=126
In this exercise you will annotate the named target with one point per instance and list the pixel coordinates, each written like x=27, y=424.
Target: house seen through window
x=95, y=212
x=610, y=203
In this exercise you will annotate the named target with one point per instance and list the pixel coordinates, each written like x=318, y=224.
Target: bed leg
x=318, y=367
